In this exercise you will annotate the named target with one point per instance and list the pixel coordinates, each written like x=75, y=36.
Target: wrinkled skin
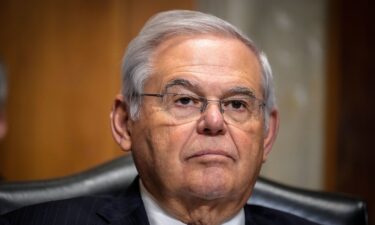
x=202, y=171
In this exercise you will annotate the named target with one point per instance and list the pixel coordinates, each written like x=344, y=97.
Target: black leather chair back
x=116, y=175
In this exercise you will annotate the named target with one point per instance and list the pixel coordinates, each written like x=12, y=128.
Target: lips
x=210, y=153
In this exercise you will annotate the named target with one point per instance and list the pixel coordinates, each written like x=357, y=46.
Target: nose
x=212, y=121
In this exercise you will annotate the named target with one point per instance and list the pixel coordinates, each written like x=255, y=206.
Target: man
x=198, y=114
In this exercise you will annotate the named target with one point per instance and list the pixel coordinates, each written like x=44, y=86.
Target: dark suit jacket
x=125, y=209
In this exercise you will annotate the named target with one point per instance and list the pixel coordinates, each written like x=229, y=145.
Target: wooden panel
x=63, y=60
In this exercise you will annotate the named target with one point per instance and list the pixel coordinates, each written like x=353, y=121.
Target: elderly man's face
x=208, y=156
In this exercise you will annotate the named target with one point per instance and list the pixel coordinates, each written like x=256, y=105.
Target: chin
x=212, y=186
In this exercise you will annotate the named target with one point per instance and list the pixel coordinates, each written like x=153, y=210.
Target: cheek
x=164, y=163
x=250, y=149
x=160, y=143
x=249, y=144
x=151, y=153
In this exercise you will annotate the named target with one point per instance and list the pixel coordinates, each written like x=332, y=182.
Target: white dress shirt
x=157, y=216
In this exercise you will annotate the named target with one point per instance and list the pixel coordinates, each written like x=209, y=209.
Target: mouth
x=211, y=155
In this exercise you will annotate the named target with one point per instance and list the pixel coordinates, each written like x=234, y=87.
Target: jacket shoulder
x=73, y=211
x=265, y=216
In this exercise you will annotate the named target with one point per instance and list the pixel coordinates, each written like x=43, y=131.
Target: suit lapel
x=126, y=209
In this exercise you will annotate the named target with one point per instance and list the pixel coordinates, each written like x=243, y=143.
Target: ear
x=120, y=123
x=271, y=133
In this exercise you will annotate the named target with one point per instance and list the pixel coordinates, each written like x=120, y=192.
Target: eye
x=185, y=100
x=235, y=104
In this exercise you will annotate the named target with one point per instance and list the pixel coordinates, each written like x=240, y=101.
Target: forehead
x=212, y=62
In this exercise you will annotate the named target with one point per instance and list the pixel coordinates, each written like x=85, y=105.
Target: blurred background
x=62, y=59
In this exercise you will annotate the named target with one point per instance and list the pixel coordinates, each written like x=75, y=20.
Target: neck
x=203, y=212
x=196, y=211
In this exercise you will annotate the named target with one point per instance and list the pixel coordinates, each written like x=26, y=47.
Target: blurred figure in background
x=3, y=95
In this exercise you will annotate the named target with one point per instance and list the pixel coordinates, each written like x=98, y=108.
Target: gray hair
x=137, y=60
x=3, y=87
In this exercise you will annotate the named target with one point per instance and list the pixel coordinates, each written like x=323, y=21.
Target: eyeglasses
x=187, y=107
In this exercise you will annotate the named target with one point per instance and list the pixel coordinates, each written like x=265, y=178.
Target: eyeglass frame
x=203, y=100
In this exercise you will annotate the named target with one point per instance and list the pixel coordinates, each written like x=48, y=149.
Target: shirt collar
x=157, y=216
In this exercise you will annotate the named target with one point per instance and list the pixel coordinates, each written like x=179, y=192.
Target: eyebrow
x=240, y=91
x=184, y=83
x=196, y=88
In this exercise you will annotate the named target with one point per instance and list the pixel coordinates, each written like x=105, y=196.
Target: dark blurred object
x=116, y=175
x=350, y=89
